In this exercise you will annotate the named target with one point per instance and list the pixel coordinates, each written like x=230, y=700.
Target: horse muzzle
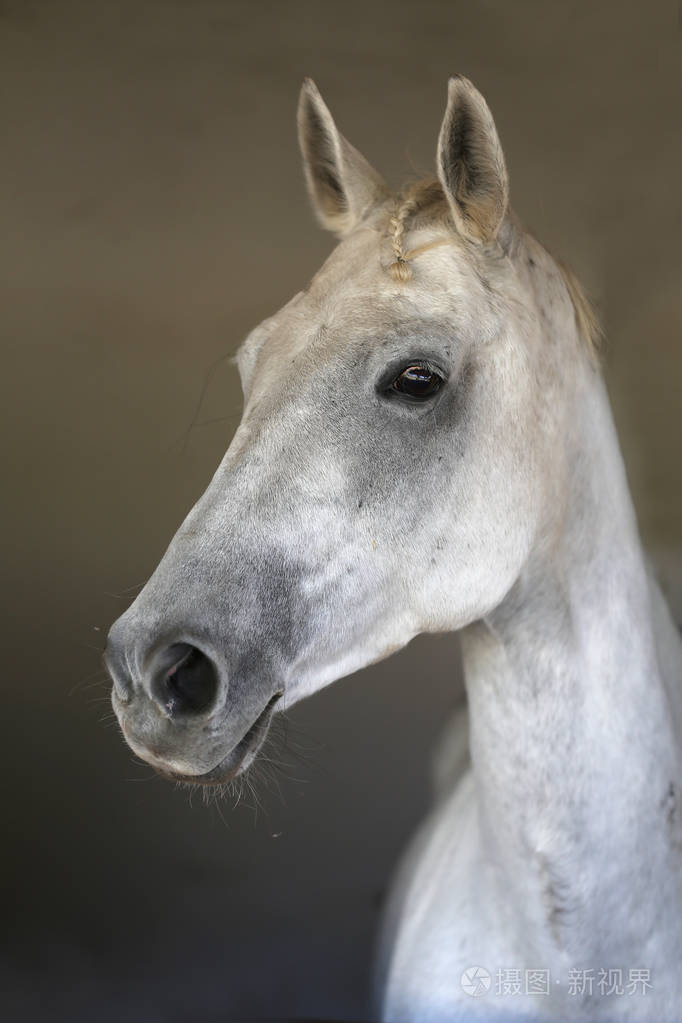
x=176, y=712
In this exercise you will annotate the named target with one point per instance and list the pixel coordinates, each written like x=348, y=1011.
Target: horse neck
x=571, y=684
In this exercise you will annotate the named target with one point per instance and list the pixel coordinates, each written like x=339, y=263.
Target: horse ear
x=342, y=185
x=471, y=165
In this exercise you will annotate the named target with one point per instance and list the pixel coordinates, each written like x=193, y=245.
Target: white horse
x=427, y=445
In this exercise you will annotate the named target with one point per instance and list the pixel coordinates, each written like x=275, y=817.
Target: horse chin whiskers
x=281, y=756
x=233, y=764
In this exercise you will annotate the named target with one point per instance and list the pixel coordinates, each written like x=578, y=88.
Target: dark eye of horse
x=417, y=382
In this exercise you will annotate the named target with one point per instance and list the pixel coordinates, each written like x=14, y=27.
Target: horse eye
x=417, y=382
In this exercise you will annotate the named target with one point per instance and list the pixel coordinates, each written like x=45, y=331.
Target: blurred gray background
x=152, y=212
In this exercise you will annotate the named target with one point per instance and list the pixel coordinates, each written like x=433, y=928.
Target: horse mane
x=423, y=202
x=587, y=321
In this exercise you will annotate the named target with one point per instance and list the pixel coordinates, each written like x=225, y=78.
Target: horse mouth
x=240, y=756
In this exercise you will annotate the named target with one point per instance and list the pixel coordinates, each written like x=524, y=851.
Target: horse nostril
x=190, y=684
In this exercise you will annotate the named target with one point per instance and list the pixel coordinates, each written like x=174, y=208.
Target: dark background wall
x=152, y=211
